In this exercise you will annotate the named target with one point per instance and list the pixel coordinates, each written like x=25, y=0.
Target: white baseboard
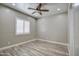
x=3, y=48
x=59, y=43
x=64, y=44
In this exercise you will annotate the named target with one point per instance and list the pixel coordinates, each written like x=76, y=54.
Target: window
x=22, y=26
x=19, y=26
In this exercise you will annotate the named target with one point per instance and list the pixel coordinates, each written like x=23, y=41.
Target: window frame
x=23, y=27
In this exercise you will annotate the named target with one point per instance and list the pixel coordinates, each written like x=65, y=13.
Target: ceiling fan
x=38, y=9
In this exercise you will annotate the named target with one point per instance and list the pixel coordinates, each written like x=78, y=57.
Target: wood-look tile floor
x=36, y=48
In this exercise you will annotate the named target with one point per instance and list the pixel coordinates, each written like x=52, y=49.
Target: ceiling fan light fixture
x=38, y=9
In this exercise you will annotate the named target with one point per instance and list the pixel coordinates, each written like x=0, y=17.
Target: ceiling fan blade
x=43, y=10
x=39, y=6
x=32, y=8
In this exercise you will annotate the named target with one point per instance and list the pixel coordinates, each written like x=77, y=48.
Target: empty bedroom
x=38, y=29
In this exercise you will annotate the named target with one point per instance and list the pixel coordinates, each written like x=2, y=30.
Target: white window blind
x=22, y=26
x=26, y=27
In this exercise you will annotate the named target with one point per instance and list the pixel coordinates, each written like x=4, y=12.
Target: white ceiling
x=52, y=7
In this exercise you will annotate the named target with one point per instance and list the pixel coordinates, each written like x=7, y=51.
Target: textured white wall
x=71, y=31
x=73, y=14
x=76, y=31
x=53, y=28
x=8, y=27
